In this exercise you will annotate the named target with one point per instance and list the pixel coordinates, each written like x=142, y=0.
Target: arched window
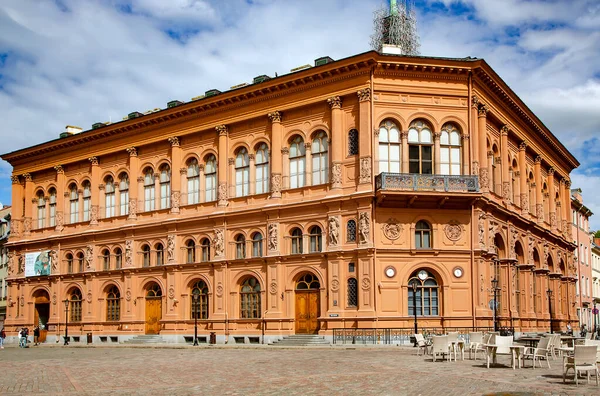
x=240, y=247
x=316, y=244
x=153, y=291
x=297, y=162
x=242, y=173
x=113, y=304
x=87, y=200
x=160, y=254
x=389, y=147
x=41, y=210
x=105, y=260
x=420, y=148
x=69, y=258
x=124, y=194
x=262, y=169
x=427, y=295
x=205, y=245
x=199, y=306
x=146, y=255
x=296, y=238
x=351, y=231
x=210, y=178
x=52, y=193
x=308, y=282
x=165, y=187
x=422, y=235
x=320, y=161
x=250, y=299
x=193, y=181
x=148, y=190
x=352, y=292
x=75, y=305
x=191, y=251
x=353, y=142
x=257, y=244
x=118, y=258
x=109, y=197
x=450, y=150
x=73, y=203
x=80, y=264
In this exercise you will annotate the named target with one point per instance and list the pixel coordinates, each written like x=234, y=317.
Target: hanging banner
x=37, y=263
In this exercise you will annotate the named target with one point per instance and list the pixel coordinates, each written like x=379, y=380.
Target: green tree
x=597, y=234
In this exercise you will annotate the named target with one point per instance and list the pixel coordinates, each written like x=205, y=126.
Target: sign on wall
x=37, y=263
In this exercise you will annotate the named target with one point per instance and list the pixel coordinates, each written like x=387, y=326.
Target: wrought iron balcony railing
x=416, y=182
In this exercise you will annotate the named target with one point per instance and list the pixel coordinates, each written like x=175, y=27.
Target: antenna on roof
x=395, y=29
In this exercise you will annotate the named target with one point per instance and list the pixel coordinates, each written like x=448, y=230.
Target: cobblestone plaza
x=266, y=371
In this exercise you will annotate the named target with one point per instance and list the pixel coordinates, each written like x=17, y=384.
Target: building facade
x=581, y=238
x=349, y=195
x=596, y=279
x=4, y=234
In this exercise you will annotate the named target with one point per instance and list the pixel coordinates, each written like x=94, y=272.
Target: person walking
x=36, y=335
x=2, y=337
x=21, y=338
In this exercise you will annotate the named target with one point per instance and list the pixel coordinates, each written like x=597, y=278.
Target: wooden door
x=153, y=315
x=307, y=312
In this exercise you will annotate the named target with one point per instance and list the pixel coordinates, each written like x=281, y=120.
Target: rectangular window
x=52, y=215
x=41, y=216
x=262, y=178
x=76, y=311
x=86, y=208
x=165, y=195
x=74, y=211
x=297, y=172
x=124, y=207
x=110, y=204
x=193, y=190
x=211, y=187
x=149, y=198
x=242, y=182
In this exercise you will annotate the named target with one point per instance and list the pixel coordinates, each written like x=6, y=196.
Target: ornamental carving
x=128, y=295
x=336, y=175
x=506, y=190
x=129, y=253
x=219, y=243
x=59, y=221
x=273, y=287
x=539, y=211
x=272, y=231
x=392, y=229
x=334, y=231
x=482, y=111
x=170, y=248
x=484, y=178
x=132, y=208
x=93, y=160
x=365, y=170
x=275, y=116
x=364, y=228
x=171, y=293
x=365, y=283
x=222, y=194
x=54, y=299
x=54, y=261
x=545, y=258
x=475, y=101
x=219, y=289
x=22, y=301
x=335, y=102
x=453, y=230
x=335, y=285
x=552, y=219
x=27, y=177
x=175, y=200
x=285, y=151
x=27, y=224
x=514, y=235
x=59, y=169
x=530, y=250
x=492, y=231
x=174, y=141
x=89, y=257
x=89, y=297
x=364, y=94
x=94, y=214
x=132, y=151
x=11, y=262
x=14, y=179
x=481, y=224
x=221, y=130
x=276, y=185
x=524, y=203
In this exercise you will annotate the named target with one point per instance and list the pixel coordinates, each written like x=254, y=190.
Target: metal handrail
x=396, y=335
x=417, y=182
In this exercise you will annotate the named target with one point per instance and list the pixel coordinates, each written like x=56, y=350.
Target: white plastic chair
x=542, y=350
x=583, y=360
x=475, y=341
x=453, y=341
x=422, y=344
x=440, y=346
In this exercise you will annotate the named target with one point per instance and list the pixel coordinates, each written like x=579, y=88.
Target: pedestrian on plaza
x=36, y=335
x=21, y=338
x=2, y=337
x=583, y=330
x=569, y=329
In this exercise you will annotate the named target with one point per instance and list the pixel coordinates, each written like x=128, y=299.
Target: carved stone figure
x=170, y=248
x=273, y=237
x=365, y=170
x=482, y=230
x=545, y=258
x=391, y=229
x=506, y=190
x=89, y=257
x=54, y=260
x=530, y=250
x=219, y=243
x=334, y=231
x=364, y=228
x=132, y=208
x=276, y=185
x=492, y=230
x=129, y=253
x=15, y=228
x=222, y=194
x=175, y=201
x=21, y=268
x=513, y=241
x=453, y=230
x=94, y=214
x=59, y=221
x=11, y=262
x=484, y=179
x=336, y=175
x=524, y=203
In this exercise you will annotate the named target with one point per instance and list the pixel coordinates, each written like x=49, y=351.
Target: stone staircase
x=301, y=340
x=145, y=339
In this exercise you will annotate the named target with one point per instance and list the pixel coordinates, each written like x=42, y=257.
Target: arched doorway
x=153, y=308
x=307, y=304
x=41, y=312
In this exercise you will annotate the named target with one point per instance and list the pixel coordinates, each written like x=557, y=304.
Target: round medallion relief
x=453, y=230
x=335, y=285
x=171, y=292
x=219, y=290
x=128, y=295
x=392, y=229
x=273, y=287
x=366, y=283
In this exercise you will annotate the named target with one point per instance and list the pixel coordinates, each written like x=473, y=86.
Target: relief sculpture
x=273, y=237
x=364, y=227
x=334, y=231
x=219, y=243
x=171, y=248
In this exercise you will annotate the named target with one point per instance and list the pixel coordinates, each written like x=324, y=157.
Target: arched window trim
x=165, y=186
x=200, y=309
x=109, y=197
x=428, y=294
x=257, y=244
x=240, y=247
x=52, y=194
x=190, y=247
x=149, y=190
x=262, y=169
x=297, y=161
x=210, y=178
x=242, y=173
x=41, y=209
x=316, y=239
x=450, y=150
x=296, y=241
x=423, y=235
x=250, y=299
x=124, y=194
x=87, y=200
x=75, y=298
x=320, y=158
x=390, y=148
x=420, y=148
x=113, y=304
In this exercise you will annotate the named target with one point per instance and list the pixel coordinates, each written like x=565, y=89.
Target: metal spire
x=396, y=26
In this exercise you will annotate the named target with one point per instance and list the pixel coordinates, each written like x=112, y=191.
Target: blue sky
x=76, y=62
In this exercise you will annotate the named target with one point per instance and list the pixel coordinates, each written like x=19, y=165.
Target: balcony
x=425, y=191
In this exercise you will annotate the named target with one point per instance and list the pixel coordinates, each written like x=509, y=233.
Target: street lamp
x=549, y=292
x=196, y=296
x=66, y=321
x=495, y=287
x=414, y=290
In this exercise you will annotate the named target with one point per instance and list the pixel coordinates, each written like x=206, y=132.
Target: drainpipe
x=473, y=285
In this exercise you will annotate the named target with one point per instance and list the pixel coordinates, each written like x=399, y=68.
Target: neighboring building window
x=352, y=292
x=124, y=194
x=165, y=187
x=296, y=238
x=250, y=299
x=69, y=263
x=149, y=190
x=109, y=197
x=353, y=142
x=118, y=258
x=193, y=182
x=389, y=147
x=160, y=254
x=210, y=179
x=205, y=245
x=87, y=200
x=450, y=150
x=191, y=251
x=105, y=260
x=75, y=305
x=74, y=203
x=297, y=163
x=422, y=235
x=320, y=162
x=240, y=247
x=426, y=297
x=113, y=304
x=262, y=169
x=200, y=308
x=52, y=207
x=242, y=173
x=315, y=239
x=420, y=149
x=80, y=264
x=257, y=245
x=146, y=256
x=41, y=210
x=351, y=231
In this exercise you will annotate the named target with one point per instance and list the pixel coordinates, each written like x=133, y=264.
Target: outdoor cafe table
x=516, y=352
x=532, y=341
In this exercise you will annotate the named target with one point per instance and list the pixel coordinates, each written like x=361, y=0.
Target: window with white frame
x=165, y=187
x=297, y=162
x=320, y=162
x=87, y=200
x=420, y=148
x=389, y=147
x=73, y=203
x=210, y=178
x=41, y=210
x=262, y=169
x=450, y=150
x=109, y=197
x=242, y=173
x=124, y=194
x=257, y=245
x=148, y=190
x=193, y=182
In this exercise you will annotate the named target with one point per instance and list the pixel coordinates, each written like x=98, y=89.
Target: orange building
x=583, y=258
x=304, y=203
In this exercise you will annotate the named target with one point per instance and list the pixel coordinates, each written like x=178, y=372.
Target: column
x=505, y=164
x=539, y=207
x=337, y=141
x=404, y=142
x=134, y=169
x=474, y=134
x=95, y=171
x=28, y=208
x=175, y=181
x=466, y=154
x=222, y=166
x=484, y=176
x=364, y=138
x=524, y=198
x=252, y=171
x=308, y=165
x=276, y=160
x=285, y=160
x=17, y=196
x=552, y=201
x=436, y=152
